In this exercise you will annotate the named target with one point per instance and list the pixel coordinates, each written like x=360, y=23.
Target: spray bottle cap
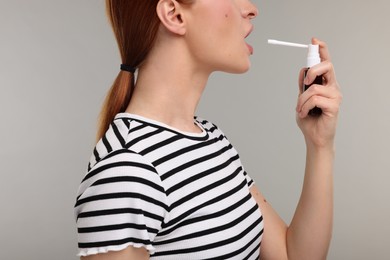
x=313, y=56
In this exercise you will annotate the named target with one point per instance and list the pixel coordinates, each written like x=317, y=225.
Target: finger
x=324, y=52
x=328, y=106
x=324, y=69
x=316, y=90
x=300, y=80
x=312, y=102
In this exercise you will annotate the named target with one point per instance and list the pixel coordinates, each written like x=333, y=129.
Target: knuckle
x=329, y=64
x=315, y=88
x=315, y=99
x=340, y=97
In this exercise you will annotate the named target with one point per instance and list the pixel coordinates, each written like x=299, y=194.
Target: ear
x=171, y=16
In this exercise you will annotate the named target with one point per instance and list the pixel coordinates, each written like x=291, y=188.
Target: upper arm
x=128, y=253
x=274, y=241
x=120, y=207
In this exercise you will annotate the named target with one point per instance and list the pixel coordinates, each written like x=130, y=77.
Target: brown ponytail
x=135, y=24
x=117, y=99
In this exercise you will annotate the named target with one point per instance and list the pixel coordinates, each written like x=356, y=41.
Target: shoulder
x=122, y=175
x=122, y=159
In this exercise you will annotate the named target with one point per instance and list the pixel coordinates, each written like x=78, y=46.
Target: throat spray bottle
x=313, y=58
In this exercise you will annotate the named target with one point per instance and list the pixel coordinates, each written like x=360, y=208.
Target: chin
x=240, y=68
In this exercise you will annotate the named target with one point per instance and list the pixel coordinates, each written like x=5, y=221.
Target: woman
x=163, y=184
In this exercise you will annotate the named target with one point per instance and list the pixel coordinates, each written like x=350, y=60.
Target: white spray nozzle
x=313, y=56
x=291, y=44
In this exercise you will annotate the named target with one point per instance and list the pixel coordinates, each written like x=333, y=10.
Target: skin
x=207, y=36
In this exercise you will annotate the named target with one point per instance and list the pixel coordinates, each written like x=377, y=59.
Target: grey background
x=58, y=58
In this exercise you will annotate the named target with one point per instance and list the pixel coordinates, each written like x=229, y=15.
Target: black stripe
x=211, y=245
x=256, y=250
x=96, y=154
x=203, y=122
x=118, y=164
x=210, y=231
x=126, y=122
x=106, y=212
x=251, y=181
x=143, y=137
x=138, y=127
x=118, y=152
x=239, y=251
x=115, y=242
x=118, y=134
x=186, y=150
x=194, y=162
x=207, y=217
x=212, y=129
x=201, y=175
x=207, y=203
x=129, y=179
x=117, y=227
x=160, y=144
x=106, y=143
x=205, y=189
x=121, y=195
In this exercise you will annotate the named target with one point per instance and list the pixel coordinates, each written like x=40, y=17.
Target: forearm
x=309, y=234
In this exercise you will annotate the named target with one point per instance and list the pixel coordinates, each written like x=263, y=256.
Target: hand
x=319, y=131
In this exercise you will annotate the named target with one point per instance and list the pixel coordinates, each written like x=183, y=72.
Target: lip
x=250, y=48
x=249, y=32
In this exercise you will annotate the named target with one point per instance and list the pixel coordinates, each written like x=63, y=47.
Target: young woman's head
x=215, y=33
x=212, y=32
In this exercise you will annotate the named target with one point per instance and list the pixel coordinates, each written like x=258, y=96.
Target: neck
x=168, y=90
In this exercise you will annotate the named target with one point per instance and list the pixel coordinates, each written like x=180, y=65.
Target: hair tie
x=128, y=68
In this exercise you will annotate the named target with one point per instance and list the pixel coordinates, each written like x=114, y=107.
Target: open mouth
x=250, y=48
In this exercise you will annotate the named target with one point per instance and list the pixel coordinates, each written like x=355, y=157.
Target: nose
x=249, y=10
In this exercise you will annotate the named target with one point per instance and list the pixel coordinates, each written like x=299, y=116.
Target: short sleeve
x=121, y=202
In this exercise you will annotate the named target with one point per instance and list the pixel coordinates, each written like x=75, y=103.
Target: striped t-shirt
x=180, y=195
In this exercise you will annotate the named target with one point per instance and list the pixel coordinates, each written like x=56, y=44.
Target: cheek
x=228, y=14
x=222, y=11
x=226, y=22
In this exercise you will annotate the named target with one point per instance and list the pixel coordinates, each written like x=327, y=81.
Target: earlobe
x=171, y=16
